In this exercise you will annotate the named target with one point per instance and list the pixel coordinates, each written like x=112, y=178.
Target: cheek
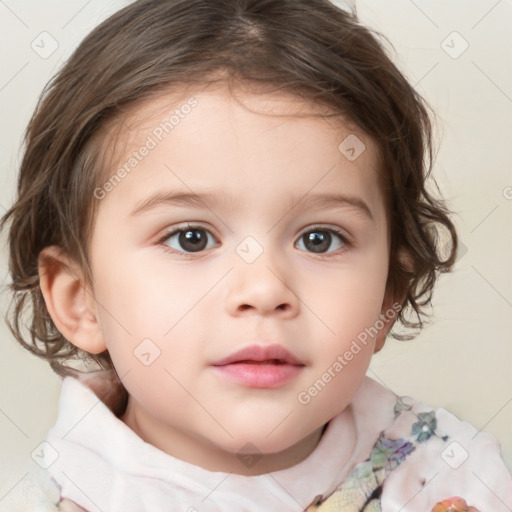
x=349, y=299
x=147, y=310
x=146, y=328
x=145, y=300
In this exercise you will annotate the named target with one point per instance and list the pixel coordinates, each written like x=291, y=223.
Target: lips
x=257, y=354
x=262, y=367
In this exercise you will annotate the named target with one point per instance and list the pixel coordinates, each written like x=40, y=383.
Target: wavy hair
x=310, y=48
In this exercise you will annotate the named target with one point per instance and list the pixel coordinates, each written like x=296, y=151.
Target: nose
x=260, y=288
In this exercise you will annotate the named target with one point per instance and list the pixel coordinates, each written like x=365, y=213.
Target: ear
x=69, y=301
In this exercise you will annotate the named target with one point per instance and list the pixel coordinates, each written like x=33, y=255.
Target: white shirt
x=102, y=465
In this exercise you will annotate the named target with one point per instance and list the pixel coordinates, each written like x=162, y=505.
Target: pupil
x=321, y=240
x=193, y=240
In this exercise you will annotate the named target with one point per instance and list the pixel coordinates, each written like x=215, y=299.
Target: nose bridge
x=259, y=281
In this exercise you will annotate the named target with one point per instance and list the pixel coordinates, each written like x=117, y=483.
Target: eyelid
x=328, y=227
x=183, y=227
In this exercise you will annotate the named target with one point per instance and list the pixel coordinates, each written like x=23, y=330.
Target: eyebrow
x=210, y=199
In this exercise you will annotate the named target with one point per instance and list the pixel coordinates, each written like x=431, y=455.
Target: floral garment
x=381, y=453
x=362, y=490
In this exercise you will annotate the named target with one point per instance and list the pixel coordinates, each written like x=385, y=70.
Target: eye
x=318, y=240
x=194, y=239
x=190, y=239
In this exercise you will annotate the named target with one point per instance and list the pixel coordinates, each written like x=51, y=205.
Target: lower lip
x=260, y=375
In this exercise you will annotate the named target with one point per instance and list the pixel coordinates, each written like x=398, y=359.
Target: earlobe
x=69, y=301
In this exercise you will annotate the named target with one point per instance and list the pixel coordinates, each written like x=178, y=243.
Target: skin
x=198, y=307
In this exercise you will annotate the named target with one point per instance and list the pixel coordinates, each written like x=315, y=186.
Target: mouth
x=268, y=361
x=261, y=354
x=259, y=366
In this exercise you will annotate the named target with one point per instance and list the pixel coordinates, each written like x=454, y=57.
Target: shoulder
x=448, y=458
x=421, y=458
x=36, y=490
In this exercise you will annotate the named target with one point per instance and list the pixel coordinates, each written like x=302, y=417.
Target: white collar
x=104, y=466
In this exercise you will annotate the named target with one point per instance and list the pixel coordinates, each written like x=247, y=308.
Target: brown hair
x=310, y=48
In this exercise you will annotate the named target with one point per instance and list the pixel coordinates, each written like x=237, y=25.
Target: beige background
x=463, y=361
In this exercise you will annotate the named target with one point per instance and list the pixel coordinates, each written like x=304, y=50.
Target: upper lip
x=260, y=353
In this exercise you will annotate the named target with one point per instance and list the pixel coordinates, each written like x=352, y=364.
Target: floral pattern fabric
x=362, y=489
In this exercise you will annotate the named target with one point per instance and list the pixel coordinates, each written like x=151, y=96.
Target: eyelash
x=346, y=243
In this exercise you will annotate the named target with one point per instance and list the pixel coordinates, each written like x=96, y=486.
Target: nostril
x=243, y=307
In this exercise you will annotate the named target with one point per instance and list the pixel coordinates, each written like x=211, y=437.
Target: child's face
x=245, y=275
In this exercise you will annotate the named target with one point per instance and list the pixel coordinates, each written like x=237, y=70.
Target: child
x=222, y=211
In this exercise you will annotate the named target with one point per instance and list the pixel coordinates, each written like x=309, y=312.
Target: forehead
x=218, y=103
x=197, y=137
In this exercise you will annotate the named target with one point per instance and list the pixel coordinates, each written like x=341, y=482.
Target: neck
x=201, y=452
